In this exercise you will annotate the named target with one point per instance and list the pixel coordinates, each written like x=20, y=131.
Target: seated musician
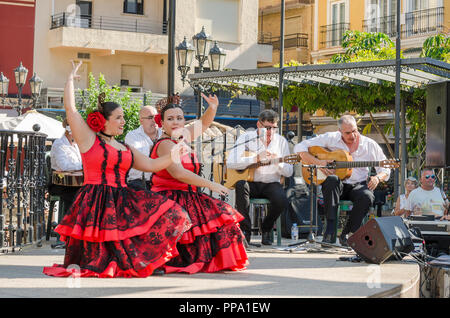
x=358, y=188
x=427, y=199
x=65, y=157
x=263, y=144
x=142, y=139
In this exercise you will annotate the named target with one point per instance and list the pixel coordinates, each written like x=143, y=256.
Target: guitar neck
x=355, y=164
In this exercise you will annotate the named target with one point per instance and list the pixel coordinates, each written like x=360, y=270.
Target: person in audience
x=411, y=183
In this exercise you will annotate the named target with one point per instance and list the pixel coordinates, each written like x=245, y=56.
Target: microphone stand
x=311, y=239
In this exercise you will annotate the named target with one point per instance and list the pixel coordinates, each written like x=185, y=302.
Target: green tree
x=130, y=106
x=437, y=47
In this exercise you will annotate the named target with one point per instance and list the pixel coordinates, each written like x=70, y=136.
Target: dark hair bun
x=101, y=101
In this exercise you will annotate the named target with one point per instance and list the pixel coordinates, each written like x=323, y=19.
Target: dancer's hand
x=178, y=151
x=217, y=187
x=212, y=100
x=73, y=74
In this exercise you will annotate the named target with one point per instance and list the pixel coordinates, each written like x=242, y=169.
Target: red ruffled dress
x=215, y=241
x=112, y=230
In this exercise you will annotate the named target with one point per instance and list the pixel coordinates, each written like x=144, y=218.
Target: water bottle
x=294, y=232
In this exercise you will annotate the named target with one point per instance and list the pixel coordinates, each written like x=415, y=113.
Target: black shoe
x=266, y=239
x=328, y=238
x=247, y=236
x=158, y=272
x=343, y=239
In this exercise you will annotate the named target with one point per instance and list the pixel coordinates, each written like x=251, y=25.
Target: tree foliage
x=130, y=106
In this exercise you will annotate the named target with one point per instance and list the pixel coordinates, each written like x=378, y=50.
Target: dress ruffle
x=214, y=242
x=119, y=232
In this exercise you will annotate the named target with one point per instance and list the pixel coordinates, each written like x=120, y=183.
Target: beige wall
x=236, y=30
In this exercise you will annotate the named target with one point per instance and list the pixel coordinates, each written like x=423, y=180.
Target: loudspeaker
x=438, y=125
x=381, y=239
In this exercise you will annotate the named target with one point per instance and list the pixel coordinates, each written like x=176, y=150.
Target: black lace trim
x=132, y=162
x=116, y=168
x=105, y=157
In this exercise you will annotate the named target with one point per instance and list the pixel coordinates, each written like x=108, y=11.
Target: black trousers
x=274, y=192
x=334, y=190
x=139, y=184
x=67, y=195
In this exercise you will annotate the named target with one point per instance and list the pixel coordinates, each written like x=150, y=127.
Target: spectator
x=411, y=183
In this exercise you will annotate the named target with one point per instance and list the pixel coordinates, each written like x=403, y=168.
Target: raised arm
x=207, y=118
x=81, y=132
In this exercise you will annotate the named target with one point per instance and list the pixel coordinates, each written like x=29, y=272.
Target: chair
x=259, y=207
x=51, y=197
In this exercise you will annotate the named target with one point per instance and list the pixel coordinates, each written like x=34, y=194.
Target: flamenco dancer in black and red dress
x=215, y=241
x=112, y=230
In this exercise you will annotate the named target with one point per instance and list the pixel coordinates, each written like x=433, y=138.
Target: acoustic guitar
x=343, y=163
x=232, y=176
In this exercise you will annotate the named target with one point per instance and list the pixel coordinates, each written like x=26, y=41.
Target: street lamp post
x=20, y=75
x=203, y=52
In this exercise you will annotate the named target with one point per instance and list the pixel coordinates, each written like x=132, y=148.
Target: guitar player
x=263, y=144
x=358, y=188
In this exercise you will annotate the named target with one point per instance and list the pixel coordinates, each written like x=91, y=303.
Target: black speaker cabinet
x=438, y=125
x=379, y=239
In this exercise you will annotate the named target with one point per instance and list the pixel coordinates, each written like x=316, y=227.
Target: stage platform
x=274, y=271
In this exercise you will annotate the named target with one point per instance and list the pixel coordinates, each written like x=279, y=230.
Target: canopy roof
x=415, y=72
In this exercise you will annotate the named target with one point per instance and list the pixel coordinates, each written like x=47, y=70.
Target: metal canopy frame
x=415, y=73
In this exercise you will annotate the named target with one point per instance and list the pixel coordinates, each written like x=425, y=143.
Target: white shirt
x=368, y=150
x=267, y=174
x=425, y=202
x=65, y=156
x=139, y=140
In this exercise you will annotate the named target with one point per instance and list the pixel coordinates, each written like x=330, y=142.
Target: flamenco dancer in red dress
x=112, y=230
x=215, y=241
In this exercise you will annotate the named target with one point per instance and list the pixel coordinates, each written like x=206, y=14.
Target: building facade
x=419, y=19
x=125, y=40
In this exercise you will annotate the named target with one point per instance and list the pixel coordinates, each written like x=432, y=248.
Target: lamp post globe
x=20, y=74
x=185, y=53
x=217, y=57
x=35, y=84
x=4, y=83
x=202, y=43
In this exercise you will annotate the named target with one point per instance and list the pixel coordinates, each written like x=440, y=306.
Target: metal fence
x=23, y=182
x=290, y=40
x=331, y=35
x=108, y=23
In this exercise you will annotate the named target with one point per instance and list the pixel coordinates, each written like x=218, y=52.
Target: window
x=133, y=6
x=338, y=22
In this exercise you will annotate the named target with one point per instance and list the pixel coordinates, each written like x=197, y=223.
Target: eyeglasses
x=269, y=127
x=432, y=176
x=148, y=117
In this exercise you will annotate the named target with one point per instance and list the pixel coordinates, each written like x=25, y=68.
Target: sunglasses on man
x=432, y=176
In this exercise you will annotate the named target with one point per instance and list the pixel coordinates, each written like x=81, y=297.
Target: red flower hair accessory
x=96, y=121
x=158, y=120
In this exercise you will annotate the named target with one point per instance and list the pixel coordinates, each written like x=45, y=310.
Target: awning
x=415, y=73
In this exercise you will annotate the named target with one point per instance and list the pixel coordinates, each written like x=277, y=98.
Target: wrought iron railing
x=140, y=25
x=23, y=182
x=290, y=40
x=424, y=21
x=416, y=23
x=331, y=35
x=387, y=25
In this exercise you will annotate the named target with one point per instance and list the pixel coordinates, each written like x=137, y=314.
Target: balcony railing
x=424, y=21
x=416, y=23
x=331, y=35
x=386, y=25
x=290, y=40
x=108, y=23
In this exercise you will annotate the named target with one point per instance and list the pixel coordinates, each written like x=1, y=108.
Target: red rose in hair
x=96, y=121
x=158, y=120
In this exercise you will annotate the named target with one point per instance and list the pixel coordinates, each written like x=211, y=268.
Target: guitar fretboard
x=354, y=164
